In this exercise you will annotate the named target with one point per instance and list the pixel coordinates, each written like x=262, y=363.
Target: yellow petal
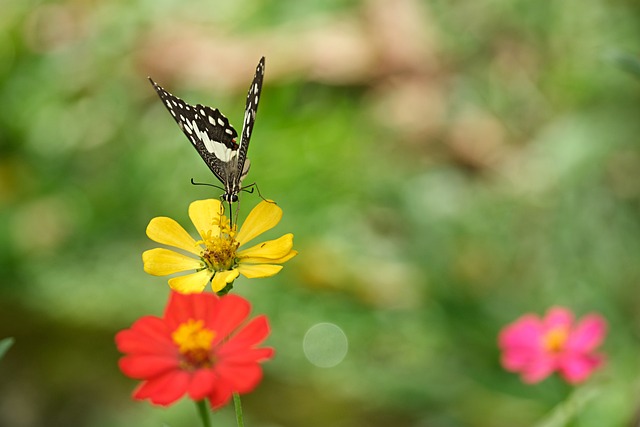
x=253, y=271
x=268, y=260
x=168, y=232
x=160, y=262
x=191, y=283
x=205, y=215
x=271, y=249
x=263, y=217
x=222, y=278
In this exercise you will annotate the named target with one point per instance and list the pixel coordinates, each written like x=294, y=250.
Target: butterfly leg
x=249, y=189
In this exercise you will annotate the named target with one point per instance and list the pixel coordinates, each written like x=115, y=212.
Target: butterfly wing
x=208, y=130
x=251, y=108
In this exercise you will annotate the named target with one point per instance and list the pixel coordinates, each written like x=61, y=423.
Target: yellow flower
x=217, y=256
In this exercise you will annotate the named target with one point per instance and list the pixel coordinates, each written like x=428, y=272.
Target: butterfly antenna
x=207, y=184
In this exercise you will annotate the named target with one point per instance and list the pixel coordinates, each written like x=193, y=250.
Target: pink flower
x=537, y=347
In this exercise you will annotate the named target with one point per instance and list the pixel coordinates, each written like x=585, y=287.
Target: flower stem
x=238, y=405
x=566, y=411
x=204, y=412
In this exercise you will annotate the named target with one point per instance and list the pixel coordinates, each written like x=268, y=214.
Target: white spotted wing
x=213, y=136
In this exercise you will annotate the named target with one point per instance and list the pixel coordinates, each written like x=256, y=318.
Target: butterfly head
x=229, y=197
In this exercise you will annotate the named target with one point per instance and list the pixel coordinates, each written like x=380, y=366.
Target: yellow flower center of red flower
x=554, y=340
x=194, y=343
x=220, y=247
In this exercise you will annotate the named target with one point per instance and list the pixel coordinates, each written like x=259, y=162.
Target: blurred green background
x=445, y=167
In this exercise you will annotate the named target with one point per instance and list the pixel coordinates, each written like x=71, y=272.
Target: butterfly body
x=214, y=137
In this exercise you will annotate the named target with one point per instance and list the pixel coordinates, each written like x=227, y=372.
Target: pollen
x=220, y=247
x=194, y=343
x=555, y=339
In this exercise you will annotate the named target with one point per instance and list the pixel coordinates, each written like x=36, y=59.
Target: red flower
x=537, y=347
x=198, y=347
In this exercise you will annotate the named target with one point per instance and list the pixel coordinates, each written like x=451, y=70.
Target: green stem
x=204, y=412
x=571, y=407
x=238, y=405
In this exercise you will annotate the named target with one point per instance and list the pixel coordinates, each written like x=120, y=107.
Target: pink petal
x=578, y=368
x=558, y=316
x=538, y=370
x=526, y=332
x=517, y=359
x=588, y=334
x=164, y=390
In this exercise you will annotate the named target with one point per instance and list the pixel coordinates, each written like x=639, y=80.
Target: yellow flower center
x=220, y=246
x=554, y=340
x=194, y=343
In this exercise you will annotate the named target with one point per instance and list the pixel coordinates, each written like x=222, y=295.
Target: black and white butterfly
x=213, y=136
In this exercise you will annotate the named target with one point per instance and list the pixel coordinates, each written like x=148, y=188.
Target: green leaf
x=5, y=344
x=627, y=62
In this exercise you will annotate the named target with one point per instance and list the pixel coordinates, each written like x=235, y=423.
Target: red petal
x=245, y=356
x=151, y=326
x=178, y=309
x=146, y=366
x=183, y=307
x=129, y=343
x=202, y=383
x=249, y=336
x=220, y=396
x=165, y=389
x=241, y=378
x=148, y=328
x=229, y=314
x=203, y=304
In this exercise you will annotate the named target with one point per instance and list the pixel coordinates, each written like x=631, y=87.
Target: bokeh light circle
x=325, y=345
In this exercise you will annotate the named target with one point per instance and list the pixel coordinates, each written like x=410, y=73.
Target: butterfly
x=214, y=137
